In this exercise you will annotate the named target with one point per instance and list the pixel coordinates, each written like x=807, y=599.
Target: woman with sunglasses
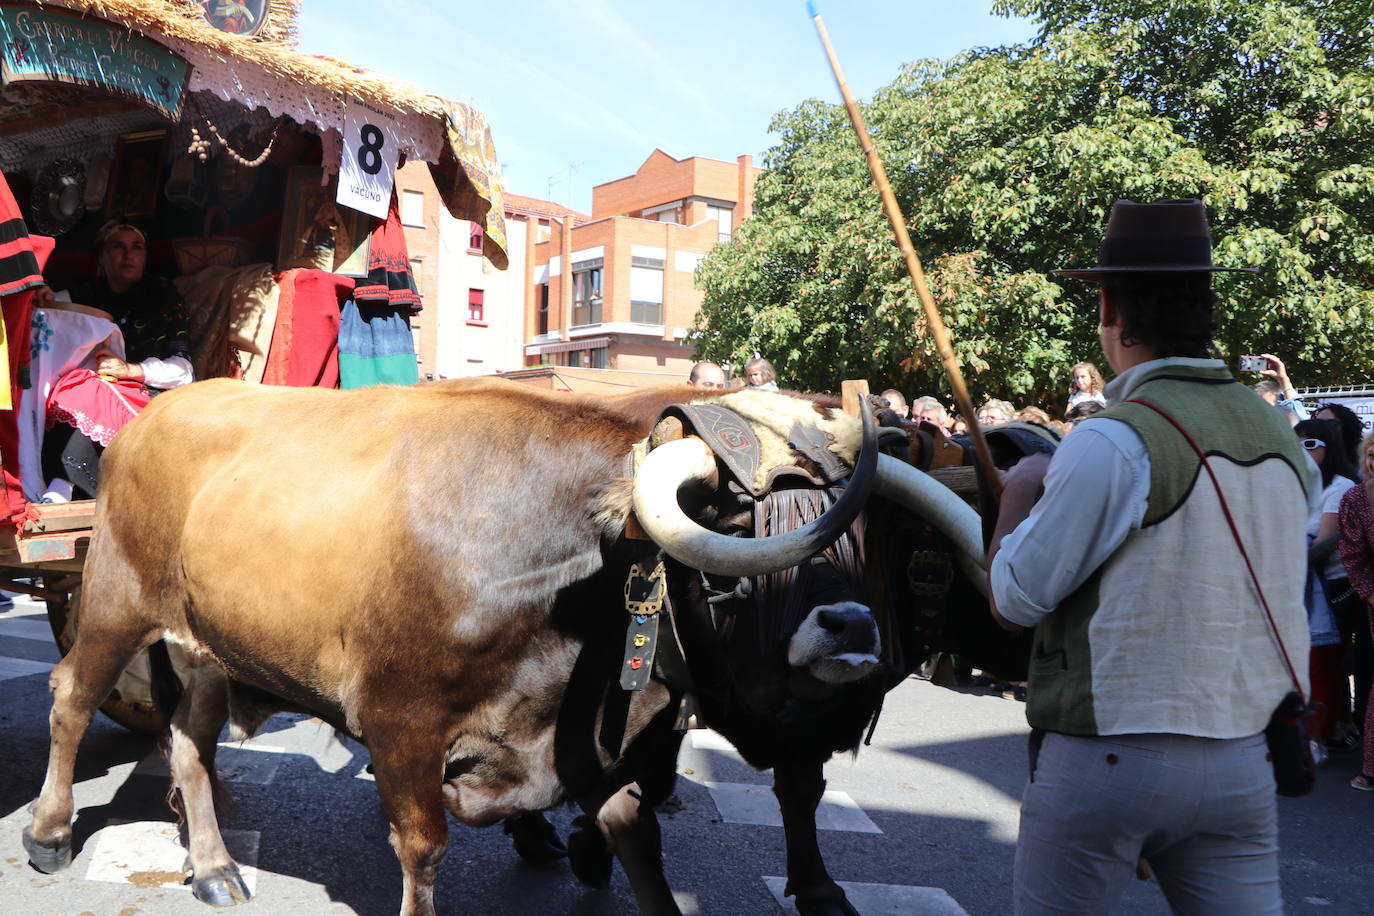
x=1357, y=553
x=1327, y=586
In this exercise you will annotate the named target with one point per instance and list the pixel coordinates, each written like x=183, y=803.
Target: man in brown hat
x=1154, y=669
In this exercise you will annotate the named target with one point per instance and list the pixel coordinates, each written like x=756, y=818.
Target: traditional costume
x=1154, y=671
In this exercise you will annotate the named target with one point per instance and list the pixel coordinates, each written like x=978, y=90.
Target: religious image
x=239, y=18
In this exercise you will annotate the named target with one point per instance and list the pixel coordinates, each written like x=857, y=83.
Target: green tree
x=1006, y=162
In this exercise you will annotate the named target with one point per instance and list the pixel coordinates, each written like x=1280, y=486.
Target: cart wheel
x=136, y=714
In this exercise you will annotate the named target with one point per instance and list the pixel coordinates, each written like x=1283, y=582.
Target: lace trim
x=88, y=427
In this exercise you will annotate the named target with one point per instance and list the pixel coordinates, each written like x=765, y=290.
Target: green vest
x=1228, y=421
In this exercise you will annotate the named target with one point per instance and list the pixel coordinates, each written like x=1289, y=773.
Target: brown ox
x=437, y=571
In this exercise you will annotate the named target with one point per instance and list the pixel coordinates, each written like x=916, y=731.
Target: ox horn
x=673, y=465
x=937, y=504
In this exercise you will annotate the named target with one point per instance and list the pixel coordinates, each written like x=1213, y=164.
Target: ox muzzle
x=836, y=643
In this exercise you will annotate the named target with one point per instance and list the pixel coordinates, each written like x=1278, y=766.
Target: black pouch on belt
x=1295, y=772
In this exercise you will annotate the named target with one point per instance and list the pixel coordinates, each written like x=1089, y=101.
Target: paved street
x=924, y=821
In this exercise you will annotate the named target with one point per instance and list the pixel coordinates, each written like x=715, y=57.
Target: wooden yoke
x=853, y=393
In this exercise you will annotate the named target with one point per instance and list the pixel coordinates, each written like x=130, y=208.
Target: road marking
x=248, y=764
x=312, y=738
x=746, y=803
x=28, y=627
x=149, y=854
x=22, y=667
x=703, y=739
x=881, y=899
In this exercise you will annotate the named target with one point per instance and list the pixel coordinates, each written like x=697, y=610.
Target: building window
x=476, y=311
x=475, y=239
x=600, y=358
x=545, y=231
x=587, y=299
x=646, y=291
x=543, y=322
x=667, y=216
x=415, y=265
x=722, y=216
x=413, y=208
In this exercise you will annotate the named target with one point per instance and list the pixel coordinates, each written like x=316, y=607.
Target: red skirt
x=98, y=406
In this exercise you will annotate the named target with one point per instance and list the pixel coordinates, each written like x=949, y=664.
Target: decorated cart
x=263, y=180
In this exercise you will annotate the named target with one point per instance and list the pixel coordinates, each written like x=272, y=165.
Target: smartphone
x=1253, y=364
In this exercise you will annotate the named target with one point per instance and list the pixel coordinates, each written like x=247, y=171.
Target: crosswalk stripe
x=149, y=854
x=21, y=667
x=881, y=899
x=249, y=764
x=30, y=627
x=703, y=739
x=747, y=803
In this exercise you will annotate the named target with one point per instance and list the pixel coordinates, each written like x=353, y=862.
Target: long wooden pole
x=934, y=321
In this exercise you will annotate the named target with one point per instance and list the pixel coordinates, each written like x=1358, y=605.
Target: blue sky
x=579, y=93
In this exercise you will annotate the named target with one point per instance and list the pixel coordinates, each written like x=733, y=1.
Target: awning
x=567, y=346
x=269, y=73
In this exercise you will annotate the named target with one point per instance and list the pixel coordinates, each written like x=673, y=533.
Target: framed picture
x=317, y=232
x=136, y=176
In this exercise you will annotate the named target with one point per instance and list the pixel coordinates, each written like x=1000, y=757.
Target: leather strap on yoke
x=734, y=442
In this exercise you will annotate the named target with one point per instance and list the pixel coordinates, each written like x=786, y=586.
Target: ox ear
x=610, y=506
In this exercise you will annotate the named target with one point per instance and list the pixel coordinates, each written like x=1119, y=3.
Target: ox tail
x=166, y=685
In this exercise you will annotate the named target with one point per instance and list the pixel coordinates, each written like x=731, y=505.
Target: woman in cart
x=87, y=406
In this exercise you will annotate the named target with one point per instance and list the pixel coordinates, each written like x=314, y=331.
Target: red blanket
x=305, y=338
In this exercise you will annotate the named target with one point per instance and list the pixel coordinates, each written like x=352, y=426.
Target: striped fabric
x=18, y=265
x=389, y=280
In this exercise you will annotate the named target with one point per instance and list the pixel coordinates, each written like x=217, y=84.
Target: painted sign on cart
x=368, y=168
x=46, y=45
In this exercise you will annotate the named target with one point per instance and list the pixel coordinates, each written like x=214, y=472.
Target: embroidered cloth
x=60, y=341
x=98, y=406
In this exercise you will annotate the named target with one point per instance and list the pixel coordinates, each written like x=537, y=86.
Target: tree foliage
x=1006, y=162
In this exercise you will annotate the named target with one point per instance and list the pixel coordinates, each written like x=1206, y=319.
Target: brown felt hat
x=1171, y=236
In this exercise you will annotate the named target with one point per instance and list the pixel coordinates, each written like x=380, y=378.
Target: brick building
x=473, y=320
x=629, y=298
x=626, y=304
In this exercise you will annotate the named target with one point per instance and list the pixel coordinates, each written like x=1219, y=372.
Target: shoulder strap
x=1235, y=533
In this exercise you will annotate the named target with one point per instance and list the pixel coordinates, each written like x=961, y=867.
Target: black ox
x=441, y=572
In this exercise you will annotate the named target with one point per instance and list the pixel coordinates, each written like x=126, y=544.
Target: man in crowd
x=897, y=402
x=706, y=375
x=995, y=412
x=1154, y=670
x=928, y=408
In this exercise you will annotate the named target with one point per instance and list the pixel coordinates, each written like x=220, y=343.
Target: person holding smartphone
x=1283, y=395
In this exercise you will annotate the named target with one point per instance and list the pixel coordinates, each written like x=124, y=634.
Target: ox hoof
x=48, y=857
x=588, y=856
x=535, y=839
x=221, y=887
x=821, y=900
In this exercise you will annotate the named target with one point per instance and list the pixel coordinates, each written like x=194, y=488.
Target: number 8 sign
x=368, y=167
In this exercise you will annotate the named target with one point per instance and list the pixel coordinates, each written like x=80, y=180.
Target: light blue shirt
x=1096, y=492
x=1295, y=406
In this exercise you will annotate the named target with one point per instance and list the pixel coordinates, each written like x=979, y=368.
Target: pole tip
x=811, y=9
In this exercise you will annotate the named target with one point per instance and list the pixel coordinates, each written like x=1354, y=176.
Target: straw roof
x=267, y=71
x=179, y=21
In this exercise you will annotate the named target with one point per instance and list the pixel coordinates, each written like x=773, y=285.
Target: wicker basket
x=208, y=250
